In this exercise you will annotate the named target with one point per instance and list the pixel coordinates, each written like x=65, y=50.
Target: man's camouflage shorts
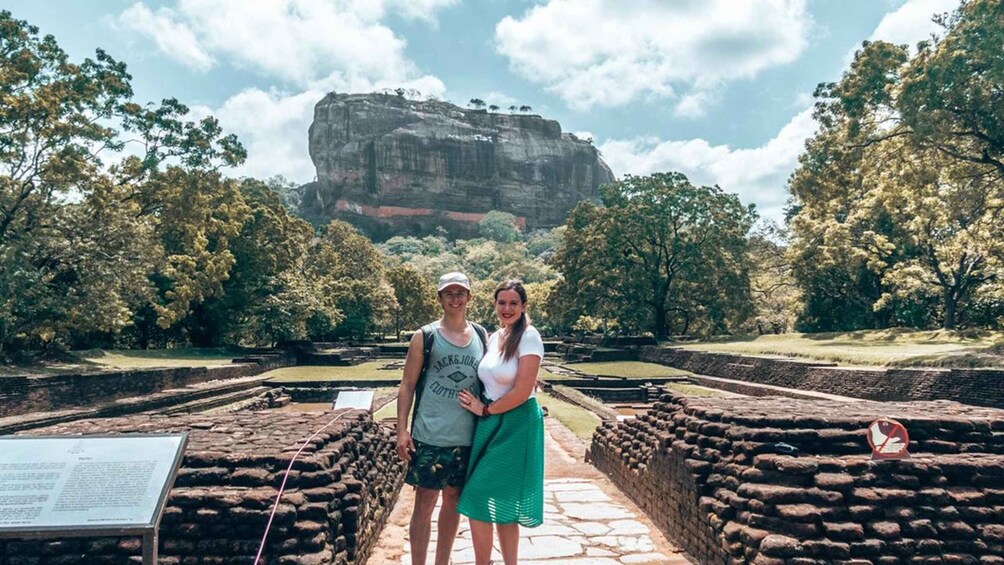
x=435, y=467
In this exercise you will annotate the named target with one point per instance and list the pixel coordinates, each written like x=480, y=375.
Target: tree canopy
x=897, y=201
x=661, y=254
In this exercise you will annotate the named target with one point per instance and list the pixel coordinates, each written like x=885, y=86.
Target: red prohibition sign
x=888, y=439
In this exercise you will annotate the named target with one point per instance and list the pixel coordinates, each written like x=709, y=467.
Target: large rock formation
x=391, y=165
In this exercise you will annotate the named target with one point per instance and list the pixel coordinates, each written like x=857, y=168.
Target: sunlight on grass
x=692, y=390
x=545, y=375
x=876, y=347
x=582, y=422
x=388, y=411
x=591, y=404
x=151, y=358
x=369, y=371
x=628, y=369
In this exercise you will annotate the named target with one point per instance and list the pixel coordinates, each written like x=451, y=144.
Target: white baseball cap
x=454, y=279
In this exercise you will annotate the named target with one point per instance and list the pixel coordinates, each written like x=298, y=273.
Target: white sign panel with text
x=85, y=482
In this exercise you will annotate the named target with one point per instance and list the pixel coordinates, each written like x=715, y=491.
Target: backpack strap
x=482, y=335
x=428, y=338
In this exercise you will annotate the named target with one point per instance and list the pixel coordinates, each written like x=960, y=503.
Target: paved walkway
x=587, y=521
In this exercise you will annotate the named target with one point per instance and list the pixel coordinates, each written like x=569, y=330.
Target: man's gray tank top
x=439, y=419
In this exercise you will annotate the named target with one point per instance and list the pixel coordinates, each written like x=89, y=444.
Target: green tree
x=51, y=132
x=951, y=210
x=197, y=214
x=415, y=298
x=481, y=308
x=350, y=270
x=51, y=122
x=288, y=191
x=834, y=223
x=950, y=97
x=538, y=296
x=266, y=297
x=543, y=243
x=900, y=189
x=60, y=186
x=499, y=226
x=776, y=299
x=671, y=255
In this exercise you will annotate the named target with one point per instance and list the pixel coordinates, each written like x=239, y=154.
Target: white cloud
x=175, y=39
x=341, y=43
x=912, y=22
x=499, y=98
x=418, y=9
x=273, y=128
x=686, y=49
x=310, y=46
x=694, y=104
x=757, y=175
x=909, y=23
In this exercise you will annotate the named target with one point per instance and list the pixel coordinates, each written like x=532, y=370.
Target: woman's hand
x=470, y=402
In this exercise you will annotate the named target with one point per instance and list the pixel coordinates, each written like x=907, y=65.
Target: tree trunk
x=950, y=304
x=660, y=322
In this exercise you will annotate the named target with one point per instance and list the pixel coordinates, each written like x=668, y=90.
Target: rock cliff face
x=396, y=166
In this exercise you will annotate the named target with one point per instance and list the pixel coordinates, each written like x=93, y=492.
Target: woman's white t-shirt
x=500, y=377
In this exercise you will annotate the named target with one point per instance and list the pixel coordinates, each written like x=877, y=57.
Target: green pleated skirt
x=505, y=476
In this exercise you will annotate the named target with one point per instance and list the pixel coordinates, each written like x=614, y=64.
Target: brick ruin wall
x=24, y=395
x=337, y=499
x=980, y=387
x=777, y=481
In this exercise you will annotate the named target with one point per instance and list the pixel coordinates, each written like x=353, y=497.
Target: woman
x=505, y=475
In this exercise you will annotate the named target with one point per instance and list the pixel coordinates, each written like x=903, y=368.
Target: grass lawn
x=100, y=360
x=388, y=411
x=590, y=403
x=629, y=369
x=692, y=390
x=894, y=347
x=369, y=371
x=545, y=375
x=582, y=422
x=149, y=358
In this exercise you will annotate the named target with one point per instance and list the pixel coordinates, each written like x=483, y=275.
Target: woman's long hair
x=513, y=337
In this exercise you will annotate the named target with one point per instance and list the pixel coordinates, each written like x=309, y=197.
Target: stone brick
x=828, y=503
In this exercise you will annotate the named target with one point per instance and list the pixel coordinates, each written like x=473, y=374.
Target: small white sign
x=357, y=399
x=53, y=483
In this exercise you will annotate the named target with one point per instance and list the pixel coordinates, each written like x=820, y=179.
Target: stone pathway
x=587, y=521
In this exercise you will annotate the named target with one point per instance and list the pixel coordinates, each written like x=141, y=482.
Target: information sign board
x=358, y=399
x=71, y=486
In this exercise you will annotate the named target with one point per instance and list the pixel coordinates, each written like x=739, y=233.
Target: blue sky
x=717, y=89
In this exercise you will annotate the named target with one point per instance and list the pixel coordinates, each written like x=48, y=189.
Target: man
x=442, y=361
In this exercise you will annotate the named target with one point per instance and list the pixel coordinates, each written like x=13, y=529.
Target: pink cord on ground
x=282, y=487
